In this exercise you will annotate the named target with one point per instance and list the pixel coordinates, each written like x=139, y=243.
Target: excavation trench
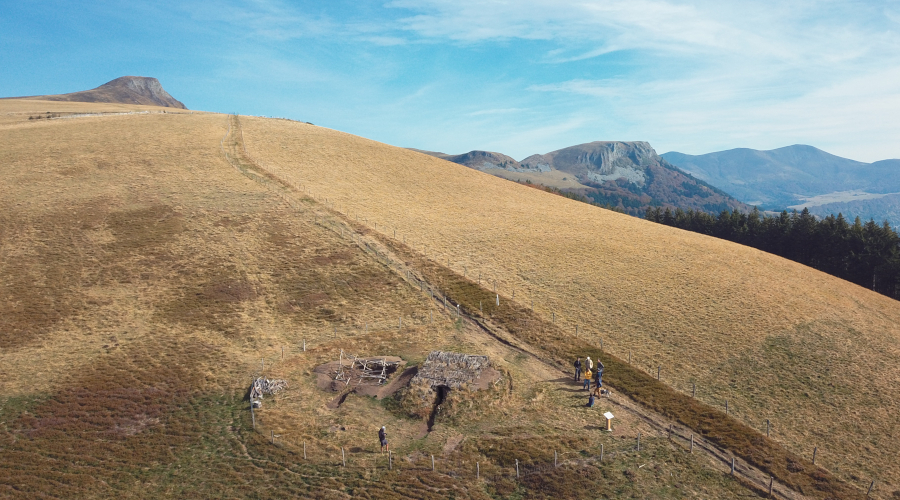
x=441, y=393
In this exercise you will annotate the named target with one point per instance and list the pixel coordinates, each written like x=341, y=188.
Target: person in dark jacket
x=382, y=436
x=577, y=369
x=598, y=373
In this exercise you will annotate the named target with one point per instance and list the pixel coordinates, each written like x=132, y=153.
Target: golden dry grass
x=144, y=279
x=818, y=356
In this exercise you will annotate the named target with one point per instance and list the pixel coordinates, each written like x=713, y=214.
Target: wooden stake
x=601, y=452
x=554, y=456
x=767, y=427
x=692, y=443
x=304, y=450
x=517, y=468
x=273, y=437
x=870, y=488
x=639, y=442
x=282, y=353
x=390, y=460
x=432, y=463
x=771, y=480
x=732, y=466
x=815, y=450
x=726, y=407
x=658, y=369
x=694, y=393
x=304, y=345
x=477, y=470
x=343, y=458
x=252, y=415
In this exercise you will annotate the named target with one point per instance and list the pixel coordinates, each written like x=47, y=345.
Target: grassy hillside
x=816, y=356
x=146, y=280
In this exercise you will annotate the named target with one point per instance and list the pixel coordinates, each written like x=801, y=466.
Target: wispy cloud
x=495, y=111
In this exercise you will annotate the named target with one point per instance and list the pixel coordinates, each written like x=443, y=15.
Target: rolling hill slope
x=775, y=339
x=150, y=271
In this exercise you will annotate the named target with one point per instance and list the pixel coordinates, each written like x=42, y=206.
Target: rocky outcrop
x=629, y=176
x=602, y=161
x=125, y=90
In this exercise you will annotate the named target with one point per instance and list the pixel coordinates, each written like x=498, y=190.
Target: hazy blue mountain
x=787, y=176
x=800, y=176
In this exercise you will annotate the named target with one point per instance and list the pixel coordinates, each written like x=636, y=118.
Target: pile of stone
x=265, y=386
x=451, y=369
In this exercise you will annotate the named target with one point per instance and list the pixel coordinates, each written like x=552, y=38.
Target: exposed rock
x=126, y=90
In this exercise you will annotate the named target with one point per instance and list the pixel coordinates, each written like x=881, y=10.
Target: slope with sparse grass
x=816, y=356
x=146, y=280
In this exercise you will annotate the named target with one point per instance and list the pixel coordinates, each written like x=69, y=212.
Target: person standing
x=382, y=437
x=587, y=379
x=577, y=368
x=599, y=373
x=588, y=364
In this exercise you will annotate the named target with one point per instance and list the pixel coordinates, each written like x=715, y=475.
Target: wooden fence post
x=601, y=452
x=639, y=442
x=517, y=468
x=304, y=450
x=692, y=443
x=432, y=463
x=343, y=458
x=767, y=427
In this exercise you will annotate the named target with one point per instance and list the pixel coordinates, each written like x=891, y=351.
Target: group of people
x=589, y=371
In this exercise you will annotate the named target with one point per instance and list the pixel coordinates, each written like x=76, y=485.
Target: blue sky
x=518, y=77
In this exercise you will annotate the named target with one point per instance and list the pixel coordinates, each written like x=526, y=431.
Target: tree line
x=867, y=254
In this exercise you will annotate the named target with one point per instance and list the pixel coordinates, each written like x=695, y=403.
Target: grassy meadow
x=818, y=357
x=146, y=280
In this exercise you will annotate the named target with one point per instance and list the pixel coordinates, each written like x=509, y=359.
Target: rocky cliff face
x=626, y=175
x=126, y=90
x=601, y=161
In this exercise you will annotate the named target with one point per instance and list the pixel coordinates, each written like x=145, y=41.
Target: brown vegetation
x=145, y=283
x=777, y=340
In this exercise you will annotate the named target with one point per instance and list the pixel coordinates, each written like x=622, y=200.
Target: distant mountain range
x=801, y=176
x=125, y=90
x=627, y=175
